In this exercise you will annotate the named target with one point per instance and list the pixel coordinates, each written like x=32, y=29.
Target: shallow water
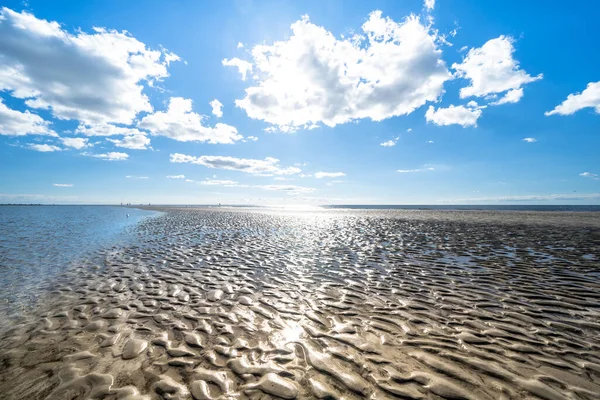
x=38, y=242
x=334, y=304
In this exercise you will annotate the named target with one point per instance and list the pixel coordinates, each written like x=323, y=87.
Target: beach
x=221, y=303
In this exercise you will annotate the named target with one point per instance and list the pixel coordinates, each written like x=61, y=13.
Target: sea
x=38, y=242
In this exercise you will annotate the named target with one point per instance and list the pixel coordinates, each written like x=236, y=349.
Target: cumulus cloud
x=512, y=96
x=391, y=69
x=454, y=115
x=589, y=175
x=134, y=142
x=406, y=171
x=589, y=98
x=253, y=138
x=320, y=175
x=112, y=156
x=268, y=166
x=391, y=142
x=17, y=123
x=240, y=45
x=180, y=123
x=62, y=184
x=243, y=66
x=91, y=77
x=76, y=143
x=530, y=140
x=106, y=130
x=492, y=69
x=44, y=148
x=216, y=108
x=429, y=4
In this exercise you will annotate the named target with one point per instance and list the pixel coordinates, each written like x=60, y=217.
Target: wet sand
x=223, y=304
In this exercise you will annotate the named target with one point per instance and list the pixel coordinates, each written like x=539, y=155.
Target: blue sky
x=323, y=102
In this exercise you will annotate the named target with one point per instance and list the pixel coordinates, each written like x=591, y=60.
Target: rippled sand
x=227, y=304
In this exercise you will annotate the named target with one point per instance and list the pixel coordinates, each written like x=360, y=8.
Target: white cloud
x=492, y=69
x=91, y=77
x=106, y=130
x=134, y=142
x=176, y=176
x=268, y=166
x=430, y=142
x=44, y=148
x=76, y=143
x=405, y=171
x=179, y=122
x=290, y=189
x=243, y=66
x=217, y=182
x=590, y=97
x=454, y=115
x=320, y=175
x=16, y=123
x=62, y=184
x=589, y=175
x=313, y=77
x=429, y=4
x=530, y=140
x=391, y=142
x=216, y=108
x=512, y=96
x=525, y=198
x=136, y=177
x=240, y=45
x=305, y=175
x=112, y=156
x=253, y=138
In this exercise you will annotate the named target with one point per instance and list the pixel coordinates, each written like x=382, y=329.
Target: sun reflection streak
x=292, y=332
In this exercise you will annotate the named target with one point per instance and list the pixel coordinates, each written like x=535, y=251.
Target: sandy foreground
x=224, y=304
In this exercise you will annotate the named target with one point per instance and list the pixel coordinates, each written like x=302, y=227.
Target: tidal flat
x=330, y=304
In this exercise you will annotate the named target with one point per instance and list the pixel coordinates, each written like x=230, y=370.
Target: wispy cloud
x=110, y=156
x=62, y=184
x=589, y=175
x=530, y=140
x=405, y=171
x=44, y=148
x=528, y=198
x=268, y=166
x=176, y=176
x=290, y=189
x=136, y=177
x=320, y=175
x=215, y=182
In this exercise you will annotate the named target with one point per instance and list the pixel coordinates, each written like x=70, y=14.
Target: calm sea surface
x=37, y=242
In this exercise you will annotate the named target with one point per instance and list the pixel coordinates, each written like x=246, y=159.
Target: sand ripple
x=333, y=305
